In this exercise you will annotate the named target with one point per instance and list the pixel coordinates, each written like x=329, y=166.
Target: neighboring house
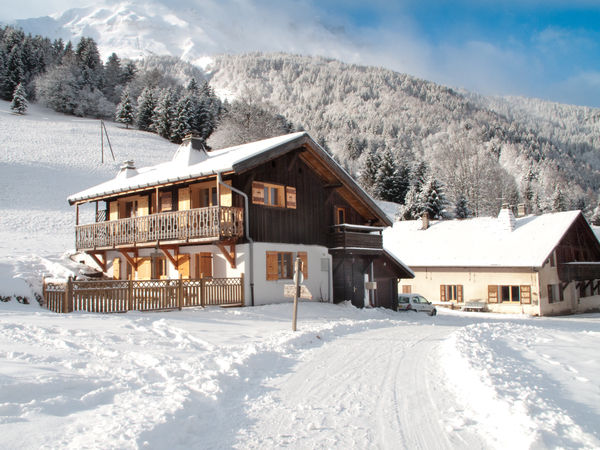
x=247, y=210
x=540, y=265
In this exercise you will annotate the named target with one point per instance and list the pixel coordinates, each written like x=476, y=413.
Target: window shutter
x=184, y=199
x=183, y=265
x=117, y=268
x=304, y=257
x=258, y=193
x=492, y=293
x=442, y=292
x=526, y=294
x=272, y=272
x=290, y=197
x=144, y=269
x=459, y=293
x=406, y=289
x=113, y=210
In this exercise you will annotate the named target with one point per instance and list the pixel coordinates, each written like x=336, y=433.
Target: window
x=555, y=293
x=449, y=292
x=340, y=215
x=273, y=195
x=509, y=294
x=280, y=265
x=208, y=197
x=165, y=202
x=160, y=268
x=406, y=289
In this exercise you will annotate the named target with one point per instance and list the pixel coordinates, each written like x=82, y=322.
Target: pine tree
x=461, y=209
x=368, y=174
x=413, y=205
x=192, y=87
x=145, y=111
x=559, y=202
x=13, y=74
x=391, y=181
x=19, y=102
x=434, y=201
x=595, y=219
x=164, y=113
x=113, y=75
x=125, y=111
x=183, y=120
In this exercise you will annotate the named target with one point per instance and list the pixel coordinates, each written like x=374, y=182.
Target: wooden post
x=130, y=294
x=44, y=291
x=67, y=305
x=242, y=298
x=180, y=293
x=202, y=292
x=297, y=271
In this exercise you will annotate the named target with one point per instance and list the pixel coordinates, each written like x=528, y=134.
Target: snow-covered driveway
x=381, y=388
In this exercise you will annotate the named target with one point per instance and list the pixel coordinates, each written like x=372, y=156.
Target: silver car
x=415, y=302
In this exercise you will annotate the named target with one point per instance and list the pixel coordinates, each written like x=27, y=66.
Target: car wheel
x=433, y=312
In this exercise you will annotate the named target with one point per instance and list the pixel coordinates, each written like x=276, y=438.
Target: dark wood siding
x=310, y=223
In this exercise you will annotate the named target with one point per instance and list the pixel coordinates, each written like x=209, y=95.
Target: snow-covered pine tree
x=391, y=181
x=368, y=173
x=434, y=201
x=13, y=74
x=125, y=111
x=413, y=206
x=461, y=208
x=164, y=113
x=183, y=120
x=19, y=102
x=192, y=86
x=559, y=202
x=113, y=75
x=595, y=219
x=145, y=110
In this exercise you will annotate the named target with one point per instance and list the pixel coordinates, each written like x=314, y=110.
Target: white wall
x=318, y=282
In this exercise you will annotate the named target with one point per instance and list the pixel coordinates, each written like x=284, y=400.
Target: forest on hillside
x=406, y=140
x=478, y=156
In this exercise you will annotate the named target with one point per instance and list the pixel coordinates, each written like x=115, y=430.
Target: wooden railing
x=218, y=222
x=356, y=240
x=110, y=296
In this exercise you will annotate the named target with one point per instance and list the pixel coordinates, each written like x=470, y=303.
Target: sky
x=536, y=48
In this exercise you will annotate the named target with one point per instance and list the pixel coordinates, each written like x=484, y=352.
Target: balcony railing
x=356, y=236
x=214, y=222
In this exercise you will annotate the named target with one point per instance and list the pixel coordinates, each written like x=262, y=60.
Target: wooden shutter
x=183, y=265
x=144, y=269
x=290, y=197
x=225, y=194
x=406, y=289
x=272, y=272
x=442, y=292
x=258, y=193
x=184, y=199
x=492, y=293
x=204, y=265
x=304, y=257
x=117, y=268
x=113, y=210
x=526, y=294
x=459, y=293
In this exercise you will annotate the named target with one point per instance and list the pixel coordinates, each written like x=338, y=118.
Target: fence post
x=180, y=293
x=242, y=298
x=45, y=303
x=67, y=305
x=202, y=292
x=130, y=294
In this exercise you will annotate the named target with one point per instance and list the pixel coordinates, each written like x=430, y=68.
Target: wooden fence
x=109, y=296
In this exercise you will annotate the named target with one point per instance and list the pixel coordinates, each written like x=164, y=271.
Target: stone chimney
x=506, y=218
x=195, y=140
x=127, y=169
x=425, y=221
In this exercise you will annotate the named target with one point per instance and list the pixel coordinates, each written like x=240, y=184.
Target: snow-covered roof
x=479, y=242
x=186, y=164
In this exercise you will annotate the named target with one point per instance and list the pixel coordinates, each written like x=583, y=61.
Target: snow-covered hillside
x=44, y=157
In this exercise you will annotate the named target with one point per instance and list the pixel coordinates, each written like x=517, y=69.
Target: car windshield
x=420, y=300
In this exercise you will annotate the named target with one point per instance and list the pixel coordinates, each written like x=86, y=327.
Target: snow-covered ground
x=239, y=378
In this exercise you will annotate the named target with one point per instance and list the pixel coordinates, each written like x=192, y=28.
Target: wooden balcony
x=194, y=225
x=356, y=237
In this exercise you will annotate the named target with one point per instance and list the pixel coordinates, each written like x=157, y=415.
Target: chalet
x=247, y=211
x=538, y=265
